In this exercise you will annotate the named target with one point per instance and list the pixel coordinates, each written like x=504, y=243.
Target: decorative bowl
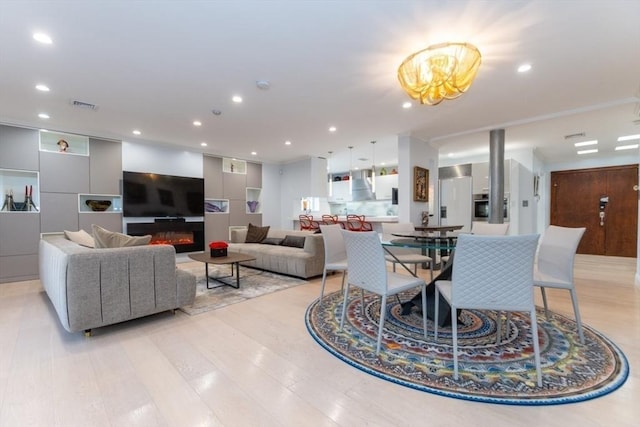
x=98, y=205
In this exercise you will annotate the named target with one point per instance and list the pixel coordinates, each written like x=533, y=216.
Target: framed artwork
x=420, y=184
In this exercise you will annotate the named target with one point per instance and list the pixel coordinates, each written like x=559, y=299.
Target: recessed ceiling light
x=204, y=144
x=407, y=105
x=287, y=143
x=216, y=112
x=524, y=68
x=263, y=84
x=593, y=150
x=628, y=138
x=43, y=88
x=626, y=147
x=43, y=115
x=383, y=163
x=137, y=132
x=585, y=143
x=253, y=153
x=197, y=123
x=332, y=129
x=42, y=38
x=237, y=99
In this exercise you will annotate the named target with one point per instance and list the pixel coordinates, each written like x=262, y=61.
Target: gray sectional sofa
x=90, y=287
x=304, y=262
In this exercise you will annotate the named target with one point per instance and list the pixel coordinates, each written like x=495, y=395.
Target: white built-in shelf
x=234, y=166
x=16, y=186
x=77, y=144
x=216, y=206
x=254, y=201
x=99, y=203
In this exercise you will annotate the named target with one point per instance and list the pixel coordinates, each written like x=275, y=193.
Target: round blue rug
x=488, y=372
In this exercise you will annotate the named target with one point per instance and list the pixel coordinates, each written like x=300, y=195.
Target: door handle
x=601, y=218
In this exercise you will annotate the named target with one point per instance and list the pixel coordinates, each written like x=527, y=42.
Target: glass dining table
x=428, y=243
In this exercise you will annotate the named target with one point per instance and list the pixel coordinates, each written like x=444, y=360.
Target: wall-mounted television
x=155, y=195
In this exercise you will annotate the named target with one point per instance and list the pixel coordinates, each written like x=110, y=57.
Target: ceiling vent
x=575, y=135
x=84, y=105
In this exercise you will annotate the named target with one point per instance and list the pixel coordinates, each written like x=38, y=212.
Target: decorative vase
x=253, y=205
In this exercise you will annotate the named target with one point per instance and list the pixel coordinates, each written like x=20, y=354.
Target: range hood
x=361, y=186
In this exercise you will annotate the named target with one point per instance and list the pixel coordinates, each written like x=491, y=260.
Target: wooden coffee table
x=232, y=258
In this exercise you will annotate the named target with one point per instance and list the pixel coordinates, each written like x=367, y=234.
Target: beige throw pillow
x=111, y=239
x=80, y=237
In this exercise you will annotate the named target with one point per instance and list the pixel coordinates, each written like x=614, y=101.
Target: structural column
x=496, y=176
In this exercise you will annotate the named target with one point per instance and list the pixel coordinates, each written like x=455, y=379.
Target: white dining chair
x=398, y=255
x=491, y=273
x=367, y=270
x=335, y=253
x=554, y=266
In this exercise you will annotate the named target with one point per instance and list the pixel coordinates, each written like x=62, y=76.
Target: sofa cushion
x=111, y=239
x=80, y=237
x=272, y=241
x=256, y=234
x=293, y=241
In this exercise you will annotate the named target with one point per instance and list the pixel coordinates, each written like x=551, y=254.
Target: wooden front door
x=604, y=201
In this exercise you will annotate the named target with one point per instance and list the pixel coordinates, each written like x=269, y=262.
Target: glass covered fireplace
x=184, y=236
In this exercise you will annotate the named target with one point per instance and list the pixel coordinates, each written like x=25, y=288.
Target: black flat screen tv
x=155, y=195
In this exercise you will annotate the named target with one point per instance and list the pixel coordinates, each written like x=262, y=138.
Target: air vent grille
x=575, y=135
x=84, y=105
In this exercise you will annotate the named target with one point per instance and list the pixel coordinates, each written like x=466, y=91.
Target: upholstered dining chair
x=404, y=256
x=491, y=273
x=483, y=228
x=554, y=266
x=335, y=253
x=367, y=270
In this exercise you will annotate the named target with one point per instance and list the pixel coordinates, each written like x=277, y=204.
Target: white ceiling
x=157, y=66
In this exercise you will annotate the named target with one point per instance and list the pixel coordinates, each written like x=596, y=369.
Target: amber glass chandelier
x=442, y=71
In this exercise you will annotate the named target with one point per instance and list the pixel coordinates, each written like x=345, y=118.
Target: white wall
x=415, y=152
x=272, y=208
x=167, y=161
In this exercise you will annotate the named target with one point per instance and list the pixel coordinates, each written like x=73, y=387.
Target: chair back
x=358, y=223
x=329, y=219
x=334, y=249
x=557, y=252
x=388, y=228
x=485, y=229
x=366, y=266
x=307, y=222
x=494, y=272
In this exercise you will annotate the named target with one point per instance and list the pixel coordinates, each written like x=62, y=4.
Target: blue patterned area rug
x=503, y=373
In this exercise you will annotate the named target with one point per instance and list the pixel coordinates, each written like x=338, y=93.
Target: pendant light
x=350, y=169
x=373, y=166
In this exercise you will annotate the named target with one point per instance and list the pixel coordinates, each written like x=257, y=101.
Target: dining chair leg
x=383, y=314
x=344, y=305
x=324, y=279
x=435, y=314
x=498, y=327
x=536, y=346
x=576, y=312
x=344, y=275
x=424, y=310
x=454, y=334
x=544, y=302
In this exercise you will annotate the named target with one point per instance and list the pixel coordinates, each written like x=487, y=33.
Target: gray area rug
x=253, y=283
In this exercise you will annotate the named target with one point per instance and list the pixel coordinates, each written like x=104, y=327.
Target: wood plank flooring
x=254, y=364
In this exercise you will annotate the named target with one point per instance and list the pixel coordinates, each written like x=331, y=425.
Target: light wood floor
x=254, y=364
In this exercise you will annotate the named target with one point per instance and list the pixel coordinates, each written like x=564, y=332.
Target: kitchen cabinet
x=480, y=176
x=339, y=192
x=384, y=184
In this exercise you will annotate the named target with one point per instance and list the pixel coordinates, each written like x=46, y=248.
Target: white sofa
x=304, y=262
x=90, y=287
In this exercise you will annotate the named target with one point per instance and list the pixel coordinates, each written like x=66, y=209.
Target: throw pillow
x=272, y=241
x=293, y=241
x=80, y=237
x=111, y=239
x=256, y=234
